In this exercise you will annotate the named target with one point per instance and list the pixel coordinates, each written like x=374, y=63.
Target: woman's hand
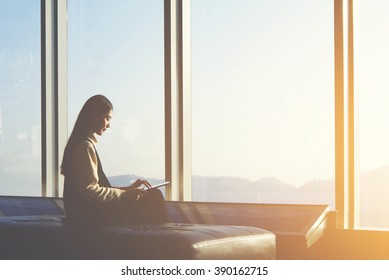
x=133, y=190
x=133, y=193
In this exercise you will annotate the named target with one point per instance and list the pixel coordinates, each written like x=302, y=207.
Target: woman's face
x=103, y=122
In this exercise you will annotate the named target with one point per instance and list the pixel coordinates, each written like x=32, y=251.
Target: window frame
x=53, y=93
x=178, y=102
x=346, y=190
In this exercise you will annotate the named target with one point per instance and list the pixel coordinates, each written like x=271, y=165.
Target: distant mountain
x=375, y=197
x=318, y=186
x=374, y=192
x=235, y=189
x=271, y=184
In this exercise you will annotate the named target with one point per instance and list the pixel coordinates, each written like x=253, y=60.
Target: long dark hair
x=93, y=108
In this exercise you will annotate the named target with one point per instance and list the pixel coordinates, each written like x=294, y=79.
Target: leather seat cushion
x=45, y=237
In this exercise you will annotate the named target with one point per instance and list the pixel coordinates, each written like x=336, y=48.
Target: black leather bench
x=31, y=228
x=45, y=237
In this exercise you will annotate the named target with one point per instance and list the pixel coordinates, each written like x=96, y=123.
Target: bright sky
x=263, y=89
x=117, y=50
x=371, y=82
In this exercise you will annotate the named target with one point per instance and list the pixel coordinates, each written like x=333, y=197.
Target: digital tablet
x=143, y=187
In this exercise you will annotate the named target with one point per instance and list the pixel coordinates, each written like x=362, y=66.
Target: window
x=263, y=101
x=20, y=105
x=115, y=48
x=371, y=91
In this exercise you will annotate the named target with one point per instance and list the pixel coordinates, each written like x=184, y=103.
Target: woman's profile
x=89, y=197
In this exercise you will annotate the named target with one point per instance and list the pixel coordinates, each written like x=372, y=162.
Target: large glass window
x=115, y=48
x=20, y=108
x=372, y=118
x=263, y=101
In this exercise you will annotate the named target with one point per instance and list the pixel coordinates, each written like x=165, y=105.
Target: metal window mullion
x=43, y=98
x=353, y=189
x=49, y=88
x=177, y=100
x=171, y=160
x=186, y=112
x=339, y=115
x=62, y=88
x=350, y=117
x=345, y=154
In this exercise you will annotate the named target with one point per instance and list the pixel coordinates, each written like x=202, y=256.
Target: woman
x=89, y=198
